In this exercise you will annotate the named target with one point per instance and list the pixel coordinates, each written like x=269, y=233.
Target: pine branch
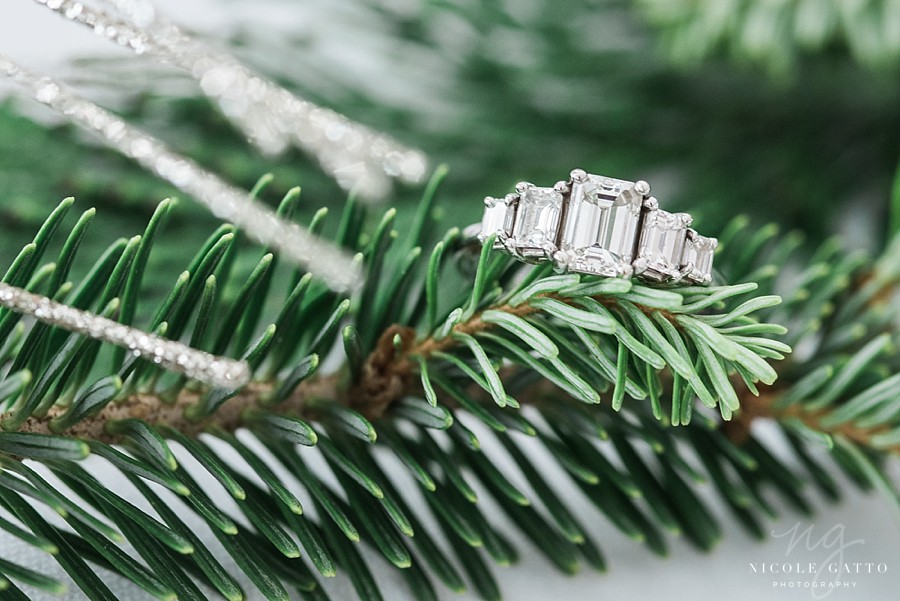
x=386, y=374
x=435, y=343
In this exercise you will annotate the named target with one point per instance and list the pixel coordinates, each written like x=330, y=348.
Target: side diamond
x=661, y=245
x=497, y=219
x=697, y=261
x=536, y=221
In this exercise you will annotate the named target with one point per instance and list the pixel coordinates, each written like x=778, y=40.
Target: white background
x=43, y=41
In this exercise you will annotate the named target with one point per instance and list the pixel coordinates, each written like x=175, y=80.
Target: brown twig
x=148, y=407
x=764, y=406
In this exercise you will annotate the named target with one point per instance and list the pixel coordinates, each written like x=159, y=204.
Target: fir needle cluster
x=638, y=394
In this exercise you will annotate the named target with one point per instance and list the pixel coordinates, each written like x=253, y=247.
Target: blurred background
x=785, y=110
x=788, y=110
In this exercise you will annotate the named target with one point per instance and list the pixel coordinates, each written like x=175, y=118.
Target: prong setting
x=562, y=260
x=578, y=175
x=549, y=249
x=640, y=265
x=642, y=188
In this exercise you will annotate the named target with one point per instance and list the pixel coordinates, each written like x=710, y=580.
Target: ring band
x=598, y=225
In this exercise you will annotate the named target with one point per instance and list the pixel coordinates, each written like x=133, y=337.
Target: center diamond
x=601, y=226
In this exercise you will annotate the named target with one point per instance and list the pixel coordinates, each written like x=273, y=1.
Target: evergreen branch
x=386, y=372
x=430, y=352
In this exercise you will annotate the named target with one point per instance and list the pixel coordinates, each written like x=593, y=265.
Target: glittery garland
x=225, y=201
x=358, y=158
x=220, y=372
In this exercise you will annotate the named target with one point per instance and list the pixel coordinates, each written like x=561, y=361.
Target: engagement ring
x=598, y=225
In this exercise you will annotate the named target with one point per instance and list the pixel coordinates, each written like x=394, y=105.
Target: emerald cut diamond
x=497, y=219
x=536, y=221
x=601, y=226
x=661, y=245
x=698, y=257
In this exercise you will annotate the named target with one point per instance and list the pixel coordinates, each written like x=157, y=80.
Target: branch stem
x=764, y=406
x=387, y=377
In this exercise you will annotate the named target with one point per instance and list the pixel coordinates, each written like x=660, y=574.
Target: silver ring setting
x=599, y=225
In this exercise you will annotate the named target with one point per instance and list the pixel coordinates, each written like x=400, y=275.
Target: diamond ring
x=598, y=225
